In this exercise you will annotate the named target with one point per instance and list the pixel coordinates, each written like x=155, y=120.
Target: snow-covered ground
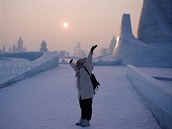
x=49, y=101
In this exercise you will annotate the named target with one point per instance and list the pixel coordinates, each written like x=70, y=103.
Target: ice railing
x=11, y=68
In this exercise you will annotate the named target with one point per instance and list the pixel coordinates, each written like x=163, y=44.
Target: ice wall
x=156, y=95
x=24, y=55
x=19, y=70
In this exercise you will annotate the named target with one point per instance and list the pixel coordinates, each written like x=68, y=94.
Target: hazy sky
x=90, y=22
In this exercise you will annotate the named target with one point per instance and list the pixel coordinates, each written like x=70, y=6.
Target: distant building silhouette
x=20, y=47
x=14, y=48
x=3, y=49
x=20, y=44
x=104, y=51
x=9, y=50
x=43, y=46
x=62, y=53
x=78, y=51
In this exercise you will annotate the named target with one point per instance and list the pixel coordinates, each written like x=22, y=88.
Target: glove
x=93, y=47
x=71, y=61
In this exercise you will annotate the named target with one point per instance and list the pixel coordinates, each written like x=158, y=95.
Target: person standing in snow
x=84, y=87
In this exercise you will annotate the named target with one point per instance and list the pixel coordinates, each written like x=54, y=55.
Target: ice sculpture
x=154, y=44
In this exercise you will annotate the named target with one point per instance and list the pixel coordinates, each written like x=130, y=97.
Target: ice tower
x=155, y=26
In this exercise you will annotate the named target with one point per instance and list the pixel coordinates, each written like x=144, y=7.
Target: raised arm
x=89, y=58
x=72, y=64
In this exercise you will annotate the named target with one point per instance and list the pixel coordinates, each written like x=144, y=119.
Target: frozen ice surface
x=49, y=101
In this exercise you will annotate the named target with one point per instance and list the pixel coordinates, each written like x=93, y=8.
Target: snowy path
x=49, y=101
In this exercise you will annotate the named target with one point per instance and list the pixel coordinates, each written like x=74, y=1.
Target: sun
x=65, y=25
